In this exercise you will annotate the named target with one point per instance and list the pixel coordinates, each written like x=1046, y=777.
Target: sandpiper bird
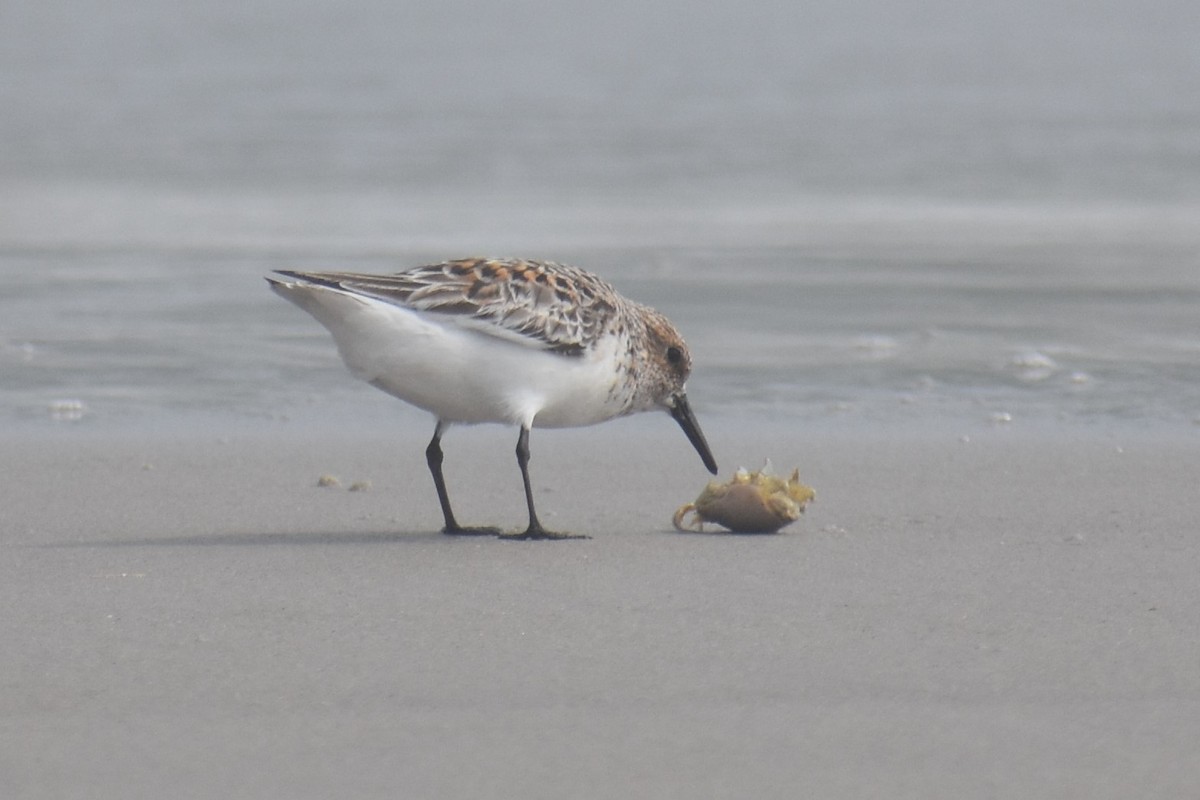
x=527, y=343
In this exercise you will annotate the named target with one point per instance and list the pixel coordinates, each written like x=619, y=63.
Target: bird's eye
x=674, y=355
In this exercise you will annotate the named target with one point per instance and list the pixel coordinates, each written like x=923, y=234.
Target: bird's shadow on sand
x=329, y=538
x=250, y=539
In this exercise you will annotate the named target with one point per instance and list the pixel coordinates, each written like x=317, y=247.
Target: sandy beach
x=1009, y=614
x=943, y=258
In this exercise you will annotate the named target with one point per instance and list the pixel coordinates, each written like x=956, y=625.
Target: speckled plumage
x=561, y=308
x=530, y=343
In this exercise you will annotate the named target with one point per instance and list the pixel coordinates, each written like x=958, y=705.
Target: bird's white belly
x=462, y=375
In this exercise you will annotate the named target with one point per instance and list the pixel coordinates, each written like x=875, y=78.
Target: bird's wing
x=539, y=304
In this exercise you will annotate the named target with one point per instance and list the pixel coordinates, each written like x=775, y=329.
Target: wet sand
x=1009, y=616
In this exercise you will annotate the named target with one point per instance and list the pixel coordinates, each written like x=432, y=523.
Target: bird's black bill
x=682, y=413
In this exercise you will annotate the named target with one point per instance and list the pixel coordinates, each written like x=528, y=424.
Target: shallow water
x=883, y=213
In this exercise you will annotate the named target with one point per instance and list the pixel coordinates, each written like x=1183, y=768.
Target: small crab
x=753, y=502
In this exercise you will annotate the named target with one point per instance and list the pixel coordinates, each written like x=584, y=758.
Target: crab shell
x=753, y=502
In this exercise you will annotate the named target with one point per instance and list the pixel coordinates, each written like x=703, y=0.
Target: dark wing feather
x=552, y=306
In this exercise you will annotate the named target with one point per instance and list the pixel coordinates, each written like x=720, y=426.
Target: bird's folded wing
x=531, y=303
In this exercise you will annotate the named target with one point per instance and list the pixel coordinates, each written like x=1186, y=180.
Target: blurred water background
x=905, y=213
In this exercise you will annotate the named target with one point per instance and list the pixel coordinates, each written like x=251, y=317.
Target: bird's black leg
x=433, y=457
x=535, y=529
